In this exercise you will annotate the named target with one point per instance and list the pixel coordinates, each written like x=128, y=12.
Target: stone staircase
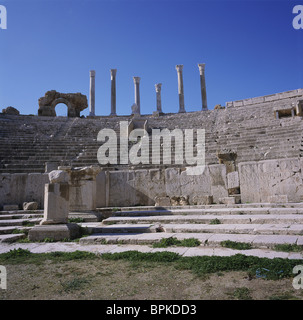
x=14, y=225
x=263, y=226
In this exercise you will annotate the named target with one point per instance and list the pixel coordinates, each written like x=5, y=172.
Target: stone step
x=281, y=229
x=206, y=239
x=21, y=212
x=19, y=222
x=207, y=211
x=11, y=237
x=11, y=229
x=207, y=219
x=20, y=216
x=209, y=206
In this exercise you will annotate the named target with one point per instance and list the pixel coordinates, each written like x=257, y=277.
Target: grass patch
x=141, y=256
x=242, y=294
x=215, y=221
x=168, y=242
x=288, y=247
x=236, y=245
x=285, y=296
x=272, y=269
x=18, y=231
x=74, y=284
x=28, y=224
x=19, y=256
x=75, y=220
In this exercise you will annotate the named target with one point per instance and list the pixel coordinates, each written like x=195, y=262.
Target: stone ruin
x=75, y=102
x=253, y=155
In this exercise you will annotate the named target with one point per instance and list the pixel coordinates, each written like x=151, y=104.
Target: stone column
x=137, y=93
x=56, y=211
x=56, y=198
x=179, y=69
x=113, y=73
x=203, y=87
x=158, y=92
x=92, y=74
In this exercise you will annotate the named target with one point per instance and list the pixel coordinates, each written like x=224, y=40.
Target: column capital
x=136, y=80
x=92, y=73
x=201, y=67
x=113, y=72
x=179, y=67
x=158, y=87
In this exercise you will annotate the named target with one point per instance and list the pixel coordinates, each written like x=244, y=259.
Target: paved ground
x=99, y=248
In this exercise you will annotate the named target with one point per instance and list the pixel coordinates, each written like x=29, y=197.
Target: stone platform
x=263, y=226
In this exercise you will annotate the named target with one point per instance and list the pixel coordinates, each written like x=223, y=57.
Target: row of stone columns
x=179, y=69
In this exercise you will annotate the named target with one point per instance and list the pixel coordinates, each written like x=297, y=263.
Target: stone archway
x=75, y=103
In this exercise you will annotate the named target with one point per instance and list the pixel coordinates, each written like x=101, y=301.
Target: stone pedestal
x=179, y=69
x=56, y=232
x=56, y=203
x=55, y=224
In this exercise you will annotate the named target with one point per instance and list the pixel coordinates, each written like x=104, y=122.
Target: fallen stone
x=30, y=206
x=179, y=201
x=58, y=176
x=162, y=202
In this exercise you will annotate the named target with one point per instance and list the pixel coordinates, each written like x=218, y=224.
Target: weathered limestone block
x=56, y=203
x=282, y=198
x=30, y=205
x=58, y=176
x=227, y=200
x=202, y=200
x=237, y=198
x=21, y=187
x=56, y=232
x=82, y=186
x=218, y=182
x=261, y=179
x=179, y=201
x=162, y=202
x=233, y=180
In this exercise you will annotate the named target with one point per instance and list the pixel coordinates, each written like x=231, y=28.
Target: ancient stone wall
x=259, y=180
x=21, y=187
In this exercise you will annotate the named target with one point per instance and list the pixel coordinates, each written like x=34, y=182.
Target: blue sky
x=250, y=49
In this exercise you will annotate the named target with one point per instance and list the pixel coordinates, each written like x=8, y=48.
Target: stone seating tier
x=252, y=132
